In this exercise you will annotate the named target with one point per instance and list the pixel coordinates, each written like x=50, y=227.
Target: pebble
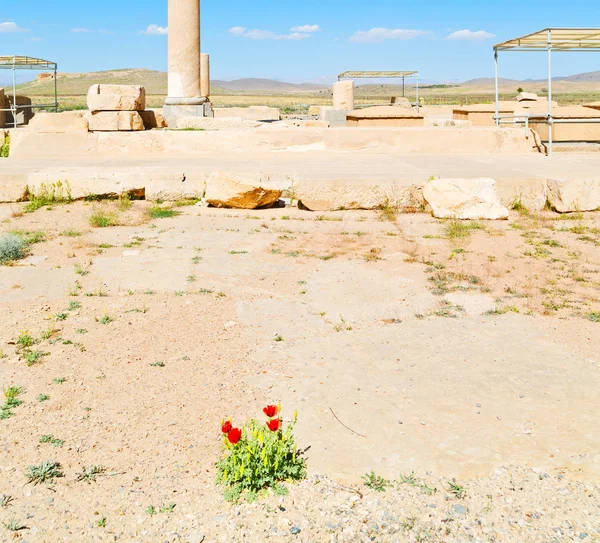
x=460, y=509
x=295, y=530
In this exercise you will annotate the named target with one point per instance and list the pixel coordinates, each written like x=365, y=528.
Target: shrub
x=5, y=147
x=12, y=247
x=54, y=193
x=157, y=212
x=259, y=456
x=101, y=219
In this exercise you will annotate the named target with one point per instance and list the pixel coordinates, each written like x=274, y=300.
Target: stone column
x=205, y=75
x=184, y=54
x=343, y=95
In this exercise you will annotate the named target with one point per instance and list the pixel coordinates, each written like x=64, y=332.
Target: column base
x=173, y=112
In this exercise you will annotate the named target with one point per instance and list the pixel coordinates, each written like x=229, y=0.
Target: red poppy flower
x=234, y=435
x=271, y=411
x=274, y=424
x=227, y=426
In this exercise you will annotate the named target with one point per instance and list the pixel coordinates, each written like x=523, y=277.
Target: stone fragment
x=464, y=199
x=116, y=98
x=253, y=113
x=572, y=196
x=230, y=191
x=114, y=121
x=59, y=123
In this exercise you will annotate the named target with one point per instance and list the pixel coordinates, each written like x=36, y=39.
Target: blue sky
x=312, y=40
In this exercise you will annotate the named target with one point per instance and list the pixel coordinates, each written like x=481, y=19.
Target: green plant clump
x=5, y=147
x=157, y=212
x=12, y=247
x=259, y=457
x=55, y=193
x=101, y=219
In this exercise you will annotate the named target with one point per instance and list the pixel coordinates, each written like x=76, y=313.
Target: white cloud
x=306, y=29
x=382, y=34
x=81, y=30
x=10, y=27
x=256, y=34
x=155, y=30
x=471, y=35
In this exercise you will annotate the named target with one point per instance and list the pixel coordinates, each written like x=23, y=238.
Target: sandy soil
x=406, y=344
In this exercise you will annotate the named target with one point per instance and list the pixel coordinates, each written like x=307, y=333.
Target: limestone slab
x=153, y=118
x=464, y=199
x=59, y=123
x=116, y=98
x=114, y=121
x=337, y=194
x=574, y=195
x=230, y=191
x=254, y=113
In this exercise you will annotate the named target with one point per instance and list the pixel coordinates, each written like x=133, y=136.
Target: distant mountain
x=155, y=82
x=252, y=84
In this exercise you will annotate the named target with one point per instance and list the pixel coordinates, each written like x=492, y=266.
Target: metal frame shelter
x=15, y=63
x=385, y=75
x=549, y=40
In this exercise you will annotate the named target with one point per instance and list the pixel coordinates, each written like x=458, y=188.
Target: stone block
x=572, y=196
x=24, y=114
x=339, y=194
x=2, y=106
x=114, y=121
x=385, y=116
x=464, y=199
x=59, y=123
x=172, y=113
x=116, y=98
x=253, y=113
x=527, y=97
x=153, y=118
x=230, y=191
x=529, y=192
x=332, y=115
x=208, y=123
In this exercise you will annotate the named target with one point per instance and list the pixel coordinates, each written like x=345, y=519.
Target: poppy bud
x=227, y=426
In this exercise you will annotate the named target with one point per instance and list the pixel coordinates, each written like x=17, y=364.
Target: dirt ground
x=463, y=353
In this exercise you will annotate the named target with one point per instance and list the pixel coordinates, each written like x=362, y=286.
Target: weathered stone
x=209, y=123
x=153, y=118
x=253, y=113
x=339, y=194
x=59, y=123
x=2, y=106
x=572, y=195
x=385, y=116
x=116, y=98
x=464, y=199
x=332, y=115
x=343, y=95
x=114, y=121
x=24, y=113
x=531, y=193
x=227, y=190
x=527, y=97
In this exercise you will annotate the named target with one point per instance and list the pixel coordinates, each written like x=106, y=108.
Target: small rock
x=460, y=509
x=295, y=530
